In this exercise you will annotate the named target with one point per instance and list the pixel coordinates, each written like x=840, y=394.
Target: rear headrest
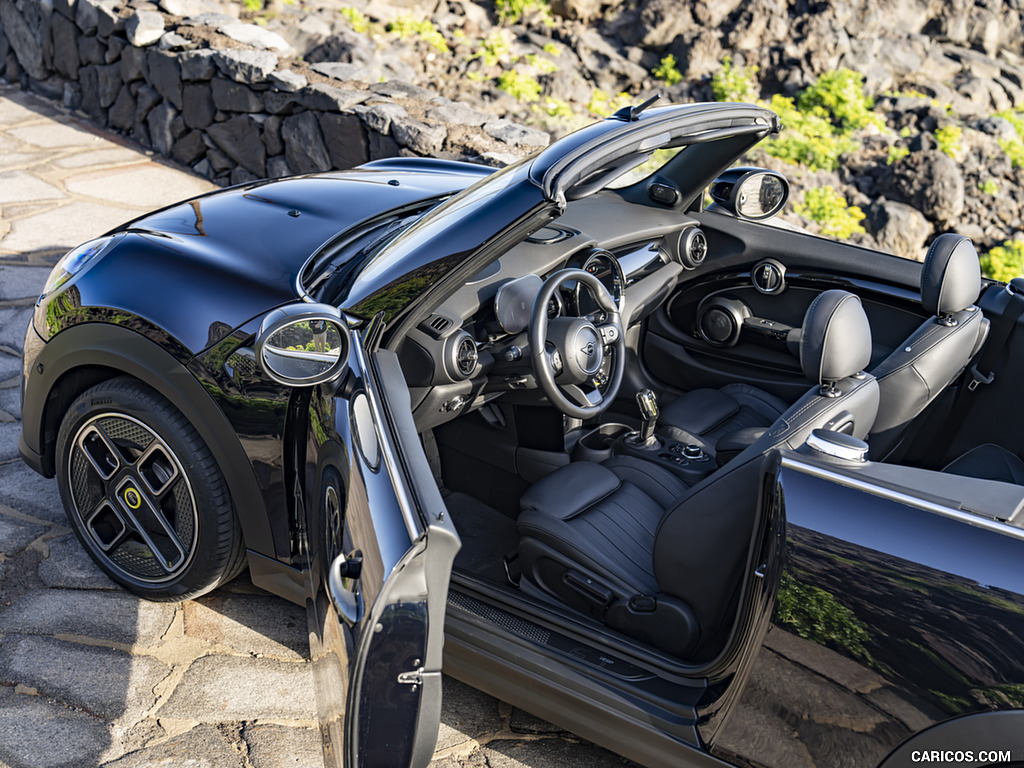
x=951, y=275
x=836, y=338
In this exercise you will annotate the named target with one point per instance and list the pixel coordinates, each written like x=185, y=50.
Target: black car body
x=344, y=371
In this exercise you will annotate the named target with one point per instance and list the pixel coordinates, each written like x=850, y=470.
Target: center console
x=687, y=461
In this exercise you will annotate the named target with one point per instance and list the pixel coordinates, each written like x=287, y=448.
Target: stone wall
x=223, y=97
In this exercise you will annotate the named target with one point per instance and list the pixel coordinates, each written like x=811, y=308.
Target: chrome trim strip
x=857, y=484
x=413, y=525
x=634, y=261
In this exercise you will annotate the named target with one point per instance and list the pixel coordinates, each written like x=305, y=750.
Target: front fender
x=100, y=351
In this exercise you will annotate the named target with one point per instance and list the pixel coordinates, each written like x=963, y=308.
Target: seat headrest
x=951, y=275
x=836, y=339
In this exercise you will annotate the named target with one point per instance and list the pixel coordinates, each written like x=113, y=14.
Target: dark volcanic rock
x=198, y=108
x=345, y=140
x=122, y=113
x=246, y=66
x=304, y=143
x=235, y=97
x=240, y=139
x=931, y=182
x=26, y=46
x=165, y=75
x=65, y=47
x=421, y=137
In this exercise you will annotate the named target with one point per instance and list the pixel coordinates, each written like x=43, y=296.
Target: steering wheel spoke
x=581, y=398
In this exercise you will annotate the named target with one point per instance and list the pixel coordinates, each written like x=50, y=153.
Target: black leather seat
x=939, y=350
x=703, y=416
x=628, y=543
x=989, y=462
x=728, y=420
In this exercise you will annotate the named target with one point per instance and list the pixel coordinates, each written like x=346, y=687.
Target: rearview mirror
x=750, y=193
x=303, y=344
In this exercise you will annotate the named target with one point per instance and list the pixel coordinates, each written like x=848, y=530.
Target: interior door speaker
x=720, y=320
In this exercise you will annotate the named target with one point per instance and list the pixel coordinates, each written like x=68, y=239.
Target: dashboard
x=474, y=348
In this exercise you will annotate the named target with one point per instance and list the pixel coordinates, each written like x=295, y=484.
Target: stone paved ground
x=90, y=676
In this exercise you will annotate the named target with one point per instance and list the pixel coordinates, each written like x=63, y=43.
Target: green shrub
x=513, y=11
x=896, y=154
x=1014, y=148
x=839, y=94
x=521, y=87
x=828, y=208
x=357, y=19
x=408, y=25
x=553, y=107
x=807, y=138
x=948, y=139
x=818, y=126
x=603, y=104
x=989, y=186
x=541, y=64
x=494, y=48
x=1004, y=262
x=668, y=72
x=734, y=83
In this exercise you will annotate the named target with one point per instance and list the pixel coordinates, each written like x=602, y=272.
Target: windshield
x=460, y=206
x=335, y=268
x=650, y=166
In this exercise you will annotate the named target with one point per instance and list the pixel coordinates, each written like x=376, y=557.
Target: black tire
x=144, y=494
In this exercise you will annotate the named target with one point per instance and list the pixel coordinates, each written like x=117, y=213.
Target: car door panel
x=680, y=350
x=380, y=549
x=884, y=599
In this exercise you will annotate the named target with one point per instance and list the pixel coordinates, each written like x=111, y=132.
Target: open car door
x=378, y=542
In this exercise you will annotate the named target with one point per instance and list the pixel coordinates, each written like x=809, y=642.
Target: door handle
x=343, y=587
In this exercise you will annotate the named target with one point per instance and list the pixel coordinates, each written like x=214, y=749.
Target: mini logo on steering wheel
x=589, y=349
x=132, y=498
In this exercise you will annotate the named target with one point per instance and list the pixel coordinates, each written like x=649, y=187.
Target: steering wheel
x=567, y=352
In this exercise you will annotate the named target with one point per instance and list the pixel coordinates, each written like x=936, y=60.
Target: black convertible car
x=594, y=431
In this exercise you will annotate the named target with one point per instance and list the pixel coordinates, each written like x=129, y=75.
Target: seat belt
x=983, y=372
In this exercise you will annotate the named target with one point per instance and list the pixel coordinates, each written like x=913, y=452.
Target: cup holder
x=598, y=444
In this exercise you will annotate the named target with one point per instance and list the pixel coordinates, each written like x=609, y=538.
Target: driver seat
x=629, y=544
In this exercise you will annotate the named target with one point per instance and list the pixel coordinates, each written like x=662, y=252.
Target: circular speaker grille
x=717, y=325
x=720, y=320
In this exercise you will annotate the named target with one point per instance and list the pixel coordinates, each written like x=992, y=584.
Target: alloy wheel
x=132, y=498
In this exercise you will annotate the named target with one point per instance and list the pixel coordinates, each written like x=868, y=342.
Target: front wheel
x=144, y=494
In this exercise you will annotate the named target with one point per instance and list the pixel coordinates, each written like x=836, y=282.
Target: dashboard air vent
x=692, y=248
x=436, y=325
x=466, y=356
x=461, y=357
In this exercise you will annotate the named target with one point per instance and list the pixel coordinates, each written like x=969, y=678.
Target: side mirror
x=750, y=193
x=303, y=344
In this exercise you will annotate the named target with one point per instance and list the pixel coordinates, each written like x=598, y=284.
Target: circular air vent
x=466, y=356
x=461, y=356
x=693, y=248
x=769, y=277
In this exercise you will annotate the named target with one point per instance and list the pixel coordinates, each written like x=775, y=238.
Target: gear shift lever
x=648, y=402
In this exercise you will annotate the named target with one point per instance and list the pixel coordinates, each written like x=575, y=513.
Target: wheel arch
x=85, y=355
x=977, y=733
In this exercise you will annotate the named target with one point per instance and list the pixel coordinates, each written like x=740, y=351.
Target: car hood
x=236, y=253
